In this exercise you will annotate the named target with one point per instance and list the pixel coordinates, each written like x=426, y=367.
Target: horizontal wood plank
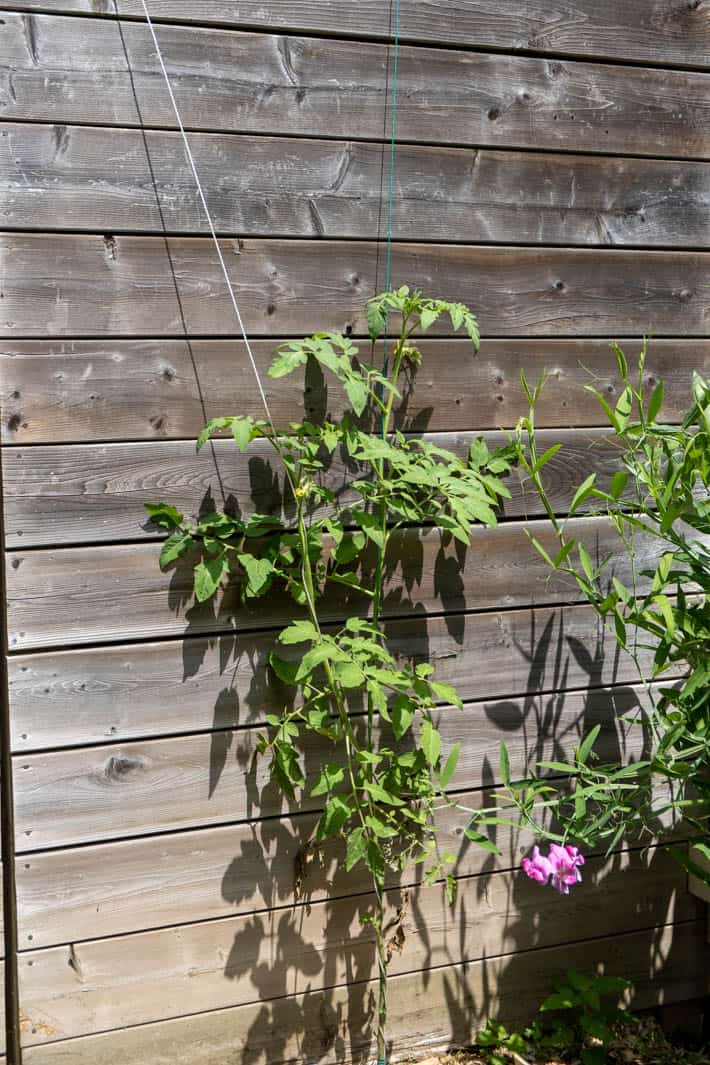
x=87, y=794
x=89, y=494
x=69, y=698
x=641, y=30
x=112, y=888
x=428, y=1011
x=100, y=594
x=315, y=87
x=80, y=989
x=131, y=180
x=76, y=286
x=55, y=391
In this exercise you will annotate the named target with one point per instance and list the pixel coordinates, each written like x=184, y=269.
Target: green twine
x=390, y=201
x=390, y=194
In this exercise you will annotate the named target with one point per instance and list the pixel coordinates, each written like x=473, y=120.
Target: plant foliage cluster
x=387, y=773
x=659, y=507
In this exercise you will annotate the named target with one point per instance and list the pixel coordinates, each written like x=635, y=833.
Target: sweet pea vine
x=386, y=774
x=660, y=496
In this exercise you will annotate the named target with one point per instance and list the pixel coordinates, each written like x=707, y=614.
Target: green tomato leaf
x=334, y=817
x=357, y=392
x=288, y=358
x=379, y=794
x=175, y=546
x=376, y=319
x=328, y=779
x=356, y=848
x=298, y=632
x=258, y=571
x=208, y=575
x=213, y=426
x=242, y=429
x=164, y=516
x=446, y=693
x=402, y=715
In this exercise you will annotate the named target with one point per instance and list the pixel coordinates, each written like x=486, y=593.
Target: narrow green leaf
x=583, y=492
x=430, y=742
x=504, y=764
x=480, y=840
x=586, y=561
x=623, y=409
x=585, y=747
x=655, y=403
x=550, y=453
x=450, y=767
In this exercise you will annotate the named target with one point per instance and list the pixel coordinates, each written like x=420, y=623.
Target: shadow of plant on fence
x=312, y=944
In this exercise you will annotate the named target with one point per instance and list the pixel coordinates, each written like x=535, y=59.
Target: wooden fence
x=552, y=170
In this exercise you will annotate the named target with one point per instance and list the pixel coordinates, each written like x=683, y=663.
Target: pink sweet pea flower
x=538, y=867
x=561, y=868
x=565, y=863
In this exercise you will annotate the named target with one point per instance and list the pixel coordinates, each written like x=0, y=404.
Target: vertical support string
x=210, y=223
x=390, y=182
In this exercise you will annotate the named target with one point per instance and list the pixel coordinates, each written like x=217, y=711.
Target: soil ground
x=643, y=1043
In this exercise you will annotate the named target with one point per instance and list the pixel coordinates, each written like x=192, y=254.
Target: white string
x=198, y=183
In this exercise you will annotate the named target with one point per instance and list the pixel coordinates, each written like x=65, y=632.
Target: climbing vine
x=386, y=775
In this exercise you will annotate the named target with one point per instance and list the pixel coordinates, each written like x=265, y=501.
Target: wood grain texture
x=103, y=985
x=62, y=391
x=641, y=30
x=136, y=181
x=97, y=793
x=315, y=87
x=95, y=493
x=427, y=1011
x=113, y=888
x=117, y=592
x=99, y=695
x=72, y=286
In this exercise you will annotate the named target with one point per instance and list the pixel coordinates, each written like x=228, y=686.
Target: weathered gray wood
x=128, y=180
x=121, y=286
x=69, y=698
x=428, y=1011
x=113, y=888
x=99, y=594
x=643, y=30
x=88, y=494
x=140, y=978
x=54, y=391
x=97, y=793
x=246, y=82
